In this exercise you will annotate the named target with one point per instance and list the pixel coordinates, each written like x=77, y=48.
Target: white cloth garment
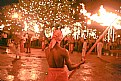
x=84, y=49
x=99, y=49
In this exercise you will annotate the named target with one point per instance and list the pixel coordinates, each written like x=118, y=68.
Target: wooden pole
x=101, y=36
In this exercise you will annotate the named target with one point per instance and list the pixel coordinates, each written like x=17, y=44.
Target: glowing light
x=88, y=21
x=49, y=32
x=77, y=24
x=104, y=18
x=118, y=36
x=26, y=26
x=83, y=10
x=2, y=26
x=36, y=28
x=15, y=15
x=66, y=31
x=10, y=77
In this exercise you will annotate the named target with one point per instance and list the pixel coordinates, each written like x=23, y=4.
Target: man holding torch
x=57, y=58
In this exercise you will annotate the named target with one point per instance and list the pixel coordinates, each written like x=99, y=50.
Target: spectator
x=99, y=48
x=84, y=49
x=28, y=44
x=71, y=44
x=80, y=44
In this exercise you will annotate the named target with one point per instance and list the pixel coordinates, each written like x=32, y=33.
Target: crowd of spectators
x=68, y=42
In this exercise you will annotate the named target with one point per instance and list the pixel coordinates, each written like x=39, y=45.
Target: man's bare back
x=57, y=57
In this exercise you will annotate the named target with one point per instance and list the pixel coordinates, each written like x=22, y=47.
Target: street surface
x=34, y=67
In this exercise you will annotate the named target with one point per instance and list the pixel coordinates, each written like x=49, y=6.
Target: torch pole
x=101, y=36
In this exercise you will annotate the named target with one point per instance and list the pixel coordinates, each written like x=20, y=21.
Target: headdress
x=56, y=38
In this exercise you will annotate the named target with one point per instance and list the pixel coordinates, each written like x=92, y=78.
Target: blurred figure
x=28, y=44
x=4, y=39
x=22, y=41
x=16, y=46
x=80, y=44
x=84, y=49
x=43, y=43
x=71, y=44
x=66, y=42
x=99, y=48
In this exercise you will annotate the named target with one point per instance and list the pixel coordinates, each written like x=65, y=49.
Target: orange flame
x=104, y=18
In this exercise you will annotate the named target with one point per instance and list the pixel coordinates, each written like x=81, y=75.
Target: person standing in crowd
x=22, y=45
x=99, y=48
x=80, y=44
x=57, y=57
x=66, y=42
x=71, y=44
x=43, y=43
x=109, y=45
x=24, y=41
x=5, y=41
x=28, y=44
x=84, y=49
x=16, y=42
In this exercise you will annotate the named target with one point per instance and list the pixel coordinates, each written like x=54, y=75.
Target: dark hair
x=56, y=26
x=101, y=40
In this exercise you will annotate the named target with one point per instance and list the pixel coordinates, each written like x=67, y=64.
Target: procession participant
x=99, y=48
x=84, y=49
x=66, y=42
x=28, y=44
x=57, y=58
x=16, y=42
x=43, y=43
x=80, y=44
x=22, y=45
x=71, y=44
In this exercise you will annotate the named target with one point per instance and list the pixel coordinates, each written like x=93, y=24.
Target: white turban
x=56, y=38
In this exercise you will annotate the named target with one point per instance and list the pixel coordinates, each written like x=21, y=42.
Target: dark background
x=7, y=2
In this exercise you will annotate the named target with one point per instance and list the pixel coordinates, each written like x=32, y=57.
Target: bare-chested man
x=57, y=58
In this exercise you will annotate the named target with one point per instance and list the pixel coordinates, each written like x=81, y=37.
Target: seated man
x=57, y=58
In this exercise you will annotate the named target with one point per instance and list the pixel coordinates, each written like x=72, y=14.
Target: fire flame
x=104, y=17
